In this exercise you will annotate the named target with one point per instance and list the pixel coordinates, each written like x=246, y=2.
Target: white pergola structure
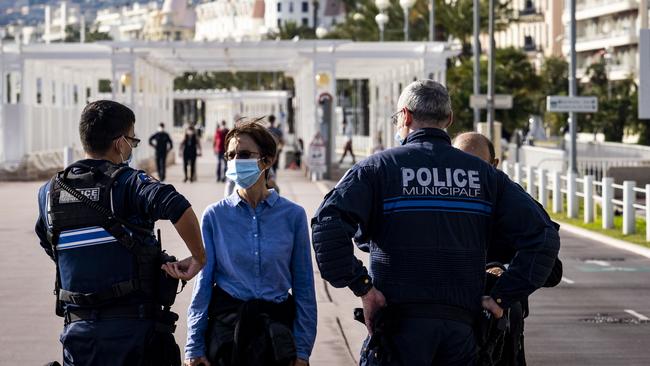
x=43, y=88
x=230, y=105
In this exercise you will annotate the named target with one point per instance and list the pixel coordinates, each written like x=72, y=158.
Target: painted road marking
x=570, y=282
x=598, y=262
x=641, y=317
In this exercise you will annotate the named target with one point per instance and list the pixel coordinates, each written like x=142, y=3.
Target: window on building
x=291, y=7
x=279, y=7
x=305, y=22
x=279, y=23
x=529, y=43
x=305, y=6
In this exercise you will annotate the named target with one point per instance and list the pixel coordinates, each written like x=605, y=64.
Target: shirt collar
x=234, y=199
x=428, y=135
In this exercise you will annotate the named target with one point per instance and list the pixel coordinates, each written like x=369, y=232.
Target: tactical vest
x=99, y=259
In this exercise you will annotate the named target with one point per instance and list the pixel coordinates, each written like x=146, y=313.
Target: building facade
x=607, y=30
x=125, y=23
x=535, y=27
x=57, y=19
x=175, y=21
x=238, y=20
x=308, y=13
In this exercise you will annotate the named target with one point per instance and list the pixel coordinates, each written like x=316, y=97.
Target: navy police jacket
x=428, y=211
x=89, y=258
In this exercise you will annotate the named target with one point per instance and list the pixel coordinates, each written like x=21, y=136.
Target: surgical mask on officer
x=400, y=123
x=244, y=172
x=129, y=156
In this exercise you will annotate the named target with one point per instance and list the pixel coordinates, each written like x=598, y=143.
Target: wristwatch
x=361, y=285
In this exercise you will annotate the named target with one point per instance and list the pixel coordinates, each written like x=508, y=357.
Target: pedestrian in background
x=220, y=149
x=257, y=244
x=348, y=131
x=162, y=143
x=428, y=211
x=190, y=150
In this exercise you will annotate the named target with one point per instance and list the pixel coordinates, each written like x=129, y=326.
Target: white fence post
x=607, y=204
x=647, y=212
x=572, y=198
x=505, y=167
x=588, y=190
x=68, y=156
x=517, y=173
x=530, y=181
x=629, y=196
x=542, y=194
x=557, y=192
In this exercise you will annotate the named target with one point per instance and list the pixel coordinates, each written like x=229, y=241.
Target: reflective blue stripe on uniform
x=78, y=238
x=437, y=205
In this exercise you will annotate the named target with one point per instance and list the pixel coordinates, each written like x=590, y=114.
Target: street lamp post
x=321, y=32
x=490, y=91
x=432, y=20
x=476, y=50
x=406, y=5
x=381, y=18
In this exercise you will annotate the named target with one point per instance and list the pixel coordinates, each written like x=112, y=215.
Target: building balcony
x=600, y=41
x=596, y=8
x=530, y=15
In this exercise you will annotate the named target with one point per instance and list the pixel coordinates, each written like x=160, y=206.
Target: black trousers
x=110, y=342
x=221, y=166
x=161, y=165
x=189, y=162
x=426, y=342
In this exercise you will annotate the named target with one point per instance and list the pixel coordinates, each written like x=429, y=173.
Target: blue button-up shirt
x=257, y=253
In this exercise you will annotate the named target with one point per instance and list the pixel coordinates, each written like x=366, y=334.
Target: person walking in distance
x=220, y=149
x=163, y=145
x=347, y=129
x=190, y=150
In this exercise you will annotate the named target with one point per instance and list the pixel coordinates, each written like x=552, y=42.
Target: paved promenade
x=595, y=317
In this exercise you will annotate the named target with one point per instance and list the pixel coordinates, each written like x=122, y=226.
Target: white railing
x=586, y=189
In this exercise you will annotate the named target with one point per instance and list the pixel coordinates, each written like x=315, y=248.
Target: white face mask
x=129, y=158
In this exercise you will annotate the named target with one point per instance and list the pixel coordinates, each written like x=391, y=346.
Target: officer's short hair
x=472, y=136
x=428, y=100
x=271, y=119
x=102, y=122
x=260, y=135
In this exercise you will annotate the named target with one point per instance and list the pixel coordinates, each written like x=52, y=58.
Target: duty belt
x=138, y=311
x=434, y=311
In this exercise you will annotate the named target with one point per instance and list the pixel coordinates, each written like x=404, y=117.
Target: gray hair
x=428, y=100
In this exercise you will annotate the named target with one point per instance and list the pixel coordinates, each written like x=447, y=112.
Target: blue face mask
x=244, y=172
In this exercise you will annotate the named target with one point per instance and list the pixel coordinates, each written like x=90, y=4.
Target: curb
x=604, y=239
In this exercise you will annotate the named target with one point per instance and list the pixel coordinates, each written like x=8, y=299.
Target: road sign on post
x=501, y=101
x=556, y=103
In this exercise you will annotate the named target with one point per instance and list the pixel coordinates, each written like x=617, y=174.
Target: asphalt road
x=596, y=316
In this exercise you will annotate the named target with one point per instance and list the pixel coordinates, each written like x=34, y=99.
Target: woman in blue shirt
x=257, y=246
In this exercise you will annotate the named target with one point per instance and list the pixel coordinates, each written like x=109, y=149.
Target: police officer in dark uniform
x=96, y=222
x=428, y=211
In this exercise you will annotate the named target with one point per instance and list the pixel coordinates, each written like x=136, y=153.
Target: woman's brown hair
x=260, y=135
